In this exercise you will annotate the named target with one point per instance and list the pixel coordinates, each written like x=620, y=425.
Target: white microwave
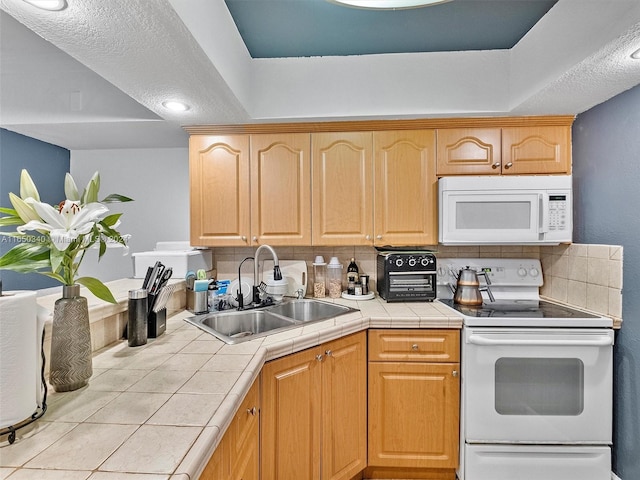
x=498, y=210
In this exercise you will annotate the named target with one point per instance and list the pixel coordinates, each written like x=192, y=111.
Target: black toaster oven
x=407, y=276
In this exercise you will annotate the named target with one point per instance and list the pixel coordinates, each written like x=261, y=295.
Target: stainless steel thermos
x=137, y=324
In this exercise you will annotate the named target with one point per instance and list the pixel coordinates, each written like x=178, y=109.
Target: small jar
x=334, y=276
x=357, y=289
x=319, y=277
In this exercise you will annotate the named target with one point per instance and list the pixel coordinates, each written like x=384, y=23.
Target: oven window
x=539, y=386
x=493, y=215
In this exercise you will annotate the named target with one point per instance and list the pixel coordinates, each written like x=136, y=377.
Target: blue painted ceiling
x=306, y=28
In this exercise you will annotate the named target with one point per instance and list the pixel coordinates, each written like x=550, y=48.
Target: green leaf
x=110, y=220
x=116, y=198
x=6, y=221
x=70, y=188
x=56, y=257
x=103, y=248
x=24, y=253
x=55, y=276
x=27, y=187
x=29, y=267
x=8, y=211
x=98, y=288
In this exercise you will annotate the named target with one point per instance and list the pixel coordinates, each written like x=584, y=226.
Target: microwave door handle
x=596, y=342
x=544, y=213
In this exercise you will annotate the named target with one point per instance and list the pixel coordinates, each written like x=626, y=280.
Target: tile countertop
x=160, y=410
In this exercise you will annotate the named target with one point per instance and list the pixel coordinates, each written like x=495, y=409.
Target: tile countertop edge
x=196, y=459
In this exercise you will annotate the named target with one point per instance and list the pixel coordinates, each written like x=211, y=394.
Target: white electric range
x=537, y=379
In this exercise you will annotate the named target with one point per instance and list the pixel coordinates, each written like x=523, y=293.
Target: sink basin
x=240, y=326
x=236, y=327
x=306, y=310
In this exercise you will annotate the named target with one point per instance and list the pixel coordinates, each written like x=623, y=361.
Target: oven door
x=537, y=385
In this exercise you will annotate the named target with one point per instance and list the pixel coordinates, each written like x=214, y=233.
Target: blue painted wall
x=606, y=171
x=47, y=165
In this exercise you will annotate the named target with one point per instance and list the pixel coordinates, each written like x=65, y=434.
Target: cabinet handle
x=379, y=237
x=319, y=357
x=252, y=411
x=454, y=373
x=244, y=238
x=414, y=346
x=509, y=165
x=255, y=239
x=495, y=165
x=367, y=237
x=328, y=353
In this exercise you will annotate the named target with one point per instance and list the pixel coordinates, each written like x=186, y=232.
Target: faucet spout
x=277, y=274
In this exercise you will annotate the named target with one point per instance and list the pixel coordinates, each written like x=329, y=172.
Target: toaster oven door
x=411, y=285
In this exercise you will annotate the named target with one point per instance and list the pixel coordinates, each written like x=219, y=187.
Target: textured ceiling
x=95, y=75
x=307, y=28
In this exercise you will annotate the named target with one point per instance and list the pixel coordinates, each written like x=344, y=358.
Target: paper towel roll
x=18, y=356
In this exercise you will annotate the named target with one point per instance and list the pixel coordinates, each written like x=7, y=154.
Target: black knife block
x=156, y=323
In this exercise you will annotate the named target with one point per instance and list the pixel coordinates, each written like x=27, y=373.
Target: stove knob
x=424, y=261
x=399, y=262
x=522, y=272
x=412, y=262
x=534, y=272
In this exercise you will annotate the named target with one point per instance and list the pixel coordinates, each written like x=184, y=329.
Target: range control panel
x=502, y=272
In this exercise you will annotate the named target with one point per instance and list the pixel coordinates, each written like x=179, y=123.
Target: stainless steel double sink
x=240, y=326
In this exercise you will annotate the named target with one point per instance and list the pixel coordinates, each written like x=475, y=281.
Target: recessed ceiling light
x=388, y=4
x=52, y=5
x=175, y=106
x=636, y=55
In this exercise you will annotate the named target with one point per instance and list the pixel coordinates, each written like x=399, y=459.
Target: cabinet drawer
x=414, y=345
x=242, y=425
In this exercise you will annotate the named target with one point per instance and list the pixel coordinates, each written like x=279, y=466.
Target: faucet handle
x=299, y=293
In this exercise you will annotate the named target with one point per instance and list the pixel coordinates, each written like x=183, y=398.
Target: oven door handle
x=594, y=342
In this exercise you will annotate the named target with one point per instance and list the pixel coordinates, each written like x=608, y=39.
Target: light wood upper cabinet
x=536, y=150
x=469, y=151
x=219, y=194
x=342, y=186
x=405, y=186
x=314, y=412
x=504, y=151
x=281, y=189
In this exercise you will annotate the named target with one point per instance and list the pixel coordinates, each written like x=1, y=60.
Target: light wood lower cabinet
x=314, y=412
x=238, y=454
x=414, y=401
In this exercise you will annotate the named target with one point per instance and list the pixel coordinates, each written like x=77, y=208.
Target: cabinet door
x=342, y=166
x=281, y=189
x=344, y=407
x=290, y=417
x=528, y=150
x=469, y=151
x=218, y=466
x=413, y=414
x=247, y=466
x=405, y=188
x=219, y=190
x=243, y=432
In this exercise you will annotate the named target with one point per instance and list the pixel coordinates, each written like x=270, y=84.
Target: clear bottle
x=319, y=277
x=334, y=275
x=352, y=275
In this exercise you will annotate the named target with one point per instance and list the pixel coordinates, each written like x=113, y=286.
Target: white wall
x=158, y=181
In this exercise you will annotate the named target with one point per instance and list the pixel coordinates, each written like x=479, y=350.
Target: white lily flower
x=66, y=223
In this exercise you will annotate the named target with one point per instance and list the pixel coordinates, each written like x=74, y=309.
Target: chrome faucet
x=277, y=274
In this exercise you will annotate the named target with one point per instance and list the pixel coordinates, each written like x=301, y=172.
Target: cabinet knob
x=319, y=357
x=252, y=411
x=379, y=237
x=495, y=165
x=328, y=353
x=367, y=237
x=255, y=239
x=454, y=373
x=509, y=165
x=414, y=346
x=244, y=238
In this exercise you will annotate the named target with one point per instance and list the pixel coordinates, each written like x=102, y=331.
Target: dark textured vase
x=70, y=362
